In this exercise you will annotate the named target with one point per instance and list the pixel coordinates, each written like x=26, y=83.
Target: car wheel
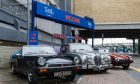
x=32, y=78
x=13, y=69
x=126, y=66
x=71, y=78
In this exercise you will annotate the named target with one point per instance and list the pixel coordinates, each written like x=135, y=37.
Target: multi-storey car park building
x=113, y=18
x=13, y=23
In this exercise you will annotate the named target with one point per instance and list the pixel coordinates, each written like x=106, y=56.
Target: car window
x=64, y=49
x=103, y=50
x=80, y=48
x=38, y=50
x=17, y=52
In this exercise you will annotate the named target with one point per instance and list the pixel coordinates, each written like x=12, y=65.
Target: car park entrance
x=44, y=11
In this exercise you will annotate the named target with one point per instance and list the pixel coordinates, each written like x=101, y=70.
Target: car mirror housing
x=63, y=51
x=18, y=55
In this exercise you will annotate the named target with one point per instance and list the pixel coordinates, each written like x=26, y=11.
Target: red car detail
x=121, y=60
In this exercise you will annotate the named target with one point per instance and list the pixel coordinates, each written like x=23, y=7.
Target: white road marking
x=78, y=81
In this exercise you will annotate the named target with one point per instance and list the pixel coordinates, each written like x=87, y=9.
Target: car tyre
x=13, y=71
x=71, y=78
x=105, y=70
x=32, y=78
x=126, y=66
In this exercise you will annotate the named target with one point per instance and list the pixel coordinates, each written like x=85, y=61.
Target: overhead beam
x=117, y=26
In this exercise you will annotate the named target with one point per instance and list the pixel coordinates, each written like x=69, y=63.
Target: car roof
x=78, y=43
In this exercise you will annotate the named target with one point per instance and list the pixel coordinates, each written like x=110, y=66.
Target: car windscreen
x=37, y=50
x=80, y=48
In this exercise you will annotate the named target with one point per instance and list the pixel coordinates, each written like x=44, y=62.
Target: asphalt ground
x=135, y=72
x=113, y=76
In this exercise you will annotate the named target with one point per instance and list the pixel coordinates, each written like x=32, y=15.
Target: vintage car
x=42, y=62
x=121, y=60
x=86, y=56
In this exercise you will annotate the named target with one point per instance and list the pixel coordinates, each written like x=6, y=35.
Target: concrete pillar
x=134, y=47
x=139, y=45
x=86, y=40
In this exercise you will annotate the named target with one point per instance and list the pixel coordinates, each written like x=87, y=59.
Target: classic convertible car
x=121, y=60
x=84, y=55
x=39, y=62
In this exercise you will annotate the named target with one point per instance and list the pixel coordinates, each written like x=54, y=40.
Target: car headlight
x=103, y=61
x=41, y=61
x=116, y=59
x=105, y=58
x=76, y=60
x=130, y=58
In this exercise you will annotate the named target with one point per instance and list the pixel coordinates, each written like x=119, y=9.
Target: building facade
x=113, y=18
x=13, y=23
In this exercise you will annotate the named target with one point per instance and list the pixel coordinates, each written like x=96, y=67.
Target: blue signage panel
x=69, y=37
x=50, y=12
x=33, y=38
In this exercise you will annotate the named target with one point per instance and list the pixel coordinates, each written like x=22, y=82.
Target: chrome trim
x=61, y=67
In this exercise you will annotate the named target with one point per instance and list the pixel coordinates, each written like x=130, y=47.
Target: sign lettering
x=33, y=38
x=54, y=14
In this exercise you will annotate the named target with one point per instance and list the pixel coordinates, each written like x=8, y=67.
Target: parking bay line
x=135, y=68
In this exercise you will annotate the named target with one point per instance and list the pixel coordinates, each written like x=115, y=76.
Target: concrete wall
x=5, y=53
x=83, y=7
x=8, y=27
x=109, y=11
x=49, y=26
x=10, y=32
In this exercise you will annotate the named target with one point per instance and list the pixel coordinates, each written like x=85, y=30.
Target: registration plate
x=63, y=73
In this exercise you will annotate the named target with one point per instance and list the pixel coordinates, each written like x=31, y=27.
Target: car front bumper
x=121, y=62
x=49, y=74
x=102, y=67
x=97, y=67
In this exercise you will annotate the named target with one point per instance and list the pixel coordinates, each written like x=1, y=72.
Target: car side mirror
x=19, y=56
x=63, y=51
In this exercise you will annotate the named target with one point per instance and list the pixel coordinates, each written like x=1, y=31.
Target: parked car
x=121, y=60
x=86, y=56
x=42, y=62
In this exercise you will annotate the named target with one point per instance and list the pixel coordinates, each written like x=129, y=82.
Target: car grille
x=97, y=60
x=58, y=65
x=123, y=60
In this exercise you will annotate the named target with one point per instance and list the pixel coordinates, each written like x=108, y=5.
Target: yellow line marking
x=139, y=69
x=135, y=68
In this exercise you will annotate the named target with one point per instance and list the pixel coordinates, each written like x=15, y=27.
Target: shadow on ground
x=119, y=68
x=7, y=78
x=89, y=72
